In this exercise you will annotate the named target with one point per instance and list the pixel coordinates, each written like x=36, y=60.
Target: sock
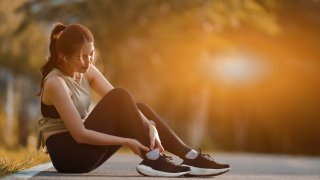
x=192, y=154
x=153, y=155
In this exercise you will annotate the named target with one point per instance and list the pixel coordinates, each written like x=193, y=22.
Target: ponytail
x=53, y=59
x=65, y=39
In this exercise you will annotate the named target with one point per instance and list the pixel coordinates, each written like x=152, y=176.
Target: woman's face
x=81, y=60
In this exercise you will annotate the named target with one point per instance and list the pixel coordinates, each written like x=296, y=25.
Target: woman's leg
x=68, y=156
x=170, y=141
x=116, y=114
x=111, y=150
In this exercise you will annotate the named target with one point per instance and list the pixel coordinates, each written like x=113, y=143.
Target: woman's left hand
x=155, y=139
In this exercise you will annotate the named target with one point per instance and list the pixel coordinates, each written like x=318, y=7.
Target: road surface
x=244, y=166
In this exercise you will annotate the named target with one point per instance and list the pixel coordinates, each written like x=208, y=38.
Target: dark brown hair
x=65, y=39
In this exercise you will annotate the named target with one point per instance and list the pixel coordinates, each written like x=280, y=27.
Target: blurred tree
x=144, y=41
x=154, y=47
x=19, y=59
x=147, y=38
x=124, y=24
x=20, y=52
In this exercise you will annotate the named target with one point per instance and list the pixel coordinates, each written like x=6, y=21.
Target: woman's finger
x=144, y=147
x=152, y=139
x=138, y=152
x=159, y=145
x=152, y=143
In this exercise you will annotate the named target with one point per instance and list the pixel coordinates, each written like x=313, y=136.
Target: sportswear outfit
x=116, y=114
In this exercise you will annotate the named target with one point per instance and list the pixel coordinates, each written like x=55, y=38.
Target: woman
x=79, y=142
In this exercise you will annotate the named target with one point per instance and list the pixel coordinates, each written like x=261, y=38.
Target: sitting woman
x=78, y=141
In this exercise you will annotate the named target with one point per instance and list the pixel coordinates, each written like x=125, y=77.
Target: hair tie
x=57, y=36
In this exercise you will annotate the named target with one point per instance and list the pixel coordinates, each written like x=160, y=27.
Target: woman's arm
x=102, y=86
x=56, y=91
x=97, y=81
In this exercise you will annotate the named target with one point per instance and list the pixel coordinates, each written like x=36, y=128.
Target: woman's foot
x=163, y=166
x=204, y=165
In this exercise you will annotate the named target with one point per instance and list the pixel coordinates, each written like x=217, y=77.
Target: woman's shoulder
x=54, y=82
x=53, y=73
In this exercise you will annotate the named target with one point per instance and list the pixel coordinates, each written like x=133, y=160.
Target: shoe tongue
x=207, y=156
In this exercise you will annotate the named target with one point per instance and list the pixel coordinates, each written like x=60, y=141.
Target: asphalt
x=244, y=166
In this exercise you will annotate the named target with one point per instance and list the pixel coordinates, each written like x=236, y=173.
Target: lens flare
x=235, y=69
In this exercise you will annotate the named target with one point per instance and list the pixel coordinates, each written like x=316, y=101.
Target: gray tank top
x=80, y=95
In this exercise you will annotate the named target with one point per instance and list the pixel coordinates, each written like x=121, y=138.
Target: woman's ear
x=61, y=57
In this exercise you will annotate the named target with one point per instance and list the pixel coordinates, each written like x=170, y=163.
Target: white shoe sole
x=195, y=171
x=148, y=171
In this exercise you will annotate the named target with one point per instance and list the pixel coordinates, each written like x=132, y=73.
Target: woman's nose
x=87, y=59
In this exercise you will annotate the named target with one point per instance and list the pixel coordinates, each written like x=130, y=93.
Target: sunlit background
x=227, y=75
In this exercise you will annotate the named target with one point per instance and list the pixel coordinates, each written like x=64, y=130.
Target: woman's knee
x=117, y=93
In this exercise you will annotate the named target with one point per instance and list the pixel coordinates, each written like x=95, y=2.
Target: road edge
x=28, y=173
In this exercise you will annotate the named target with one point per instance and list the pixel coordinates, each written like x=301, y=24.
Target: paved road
x=244, y=166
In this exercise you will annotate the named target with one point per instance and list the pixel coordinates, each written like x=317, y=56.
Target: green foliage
x=22, y=52
x=154, y=48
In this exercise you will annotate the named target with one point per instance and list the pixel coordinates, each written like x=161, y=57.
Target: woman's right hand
x=136, y=146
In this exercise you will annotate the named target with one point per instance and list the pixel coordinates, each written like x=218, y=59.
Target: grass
x=13, y=157
x=13, y=160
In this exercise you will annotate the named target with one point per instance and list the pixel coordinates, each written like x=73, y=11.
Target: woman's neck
x=68, y=70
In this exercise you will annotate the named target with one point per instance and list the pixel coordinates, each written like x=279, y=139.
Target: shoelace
x=167, y=158
x=206, y=156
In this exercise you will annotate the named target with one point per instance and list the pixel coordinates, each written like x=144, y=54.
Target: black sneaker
x=204, y=165
x=163, y=166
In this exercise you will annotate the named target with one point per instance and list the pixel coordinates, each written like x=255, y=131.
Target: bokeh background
x=227, y=75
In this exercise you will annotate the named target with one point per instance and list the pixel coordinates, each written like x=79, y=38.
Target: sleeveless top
x=51, y=123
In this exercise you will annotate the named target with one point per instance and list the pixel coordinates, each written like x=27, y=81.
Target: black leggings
x=116, y=114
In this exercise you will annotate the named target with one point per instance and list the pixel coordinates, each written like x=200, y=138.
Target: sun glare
x=235, y=69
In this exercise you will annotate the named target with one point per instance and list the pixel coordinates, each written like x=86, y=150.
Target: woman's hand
x=136, y=146
x=154, y=138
